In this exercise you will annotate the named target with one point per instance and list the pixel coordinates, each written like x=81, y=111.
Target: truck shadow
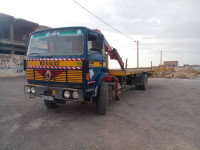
x=76, y=108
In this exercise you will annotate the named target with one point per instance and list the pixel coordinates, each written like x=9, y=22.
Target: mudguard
x=98, y=82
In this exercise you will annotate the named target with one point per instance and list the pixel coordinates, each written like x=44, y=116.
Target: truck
x=71, y=64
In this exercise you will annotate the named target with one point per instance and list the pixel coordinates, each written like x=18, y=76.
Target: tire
x=102, y=101
x=49, y=104
x=144, y=82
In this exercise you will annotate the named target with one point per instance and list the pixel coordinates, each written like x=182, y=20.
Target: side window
x=92, y=43
x=95, y=43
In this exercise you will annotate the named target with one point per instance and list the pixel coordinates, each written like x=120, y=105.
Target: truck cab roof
x=72, y=27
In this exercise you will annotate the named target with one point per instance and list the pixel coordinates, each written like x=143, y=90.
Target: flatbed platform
x=129, y=71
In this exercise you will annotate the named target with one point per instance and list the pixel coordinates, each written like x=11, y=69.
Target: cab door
x=95, y=55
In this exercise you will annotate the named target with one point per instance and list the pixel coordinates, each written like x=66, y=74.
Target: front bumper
x=56, y=92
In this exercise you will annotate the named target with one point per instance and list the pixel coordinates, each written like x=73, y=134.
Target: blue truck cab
x=65, y=64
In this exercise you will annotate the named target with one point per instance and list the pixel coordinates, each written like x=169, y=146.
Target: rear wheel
x=145, y=82
x=102, y=101
x=49, y=104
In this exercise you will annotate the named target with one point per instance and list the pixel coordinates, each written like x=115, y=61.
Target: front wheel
x=49, y=104
x=102, y=101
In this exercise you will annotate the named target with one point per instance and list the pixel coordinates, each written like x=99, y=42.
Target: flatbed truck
x=71, y=64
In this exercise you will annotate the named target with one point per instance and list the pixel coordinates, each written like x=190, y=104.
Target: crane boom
x=112, y=52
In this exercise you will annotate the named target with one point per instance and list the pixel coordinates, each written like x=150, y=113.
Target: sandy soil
x=164, y=117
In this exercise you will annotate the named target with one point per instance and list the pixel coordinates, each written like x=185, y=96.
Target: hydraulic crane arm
x=112, y=52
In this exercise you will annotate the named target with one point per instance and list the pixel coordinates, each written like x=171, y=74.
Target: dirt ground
x=164, y=117
x=184, y=73
x=175, y=72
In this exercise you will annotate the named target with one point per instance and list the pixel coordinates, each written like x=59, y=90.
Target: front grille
x=74, y=76
x=29, y=74
x=39, y=74
x=60, y=76
x=71, y=76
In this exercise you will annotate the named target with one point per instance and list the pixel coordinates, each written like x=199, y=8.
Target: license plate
x=50, y=98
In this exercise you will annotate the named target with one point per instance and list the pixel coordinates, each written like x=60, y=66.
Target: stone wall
x=11, y=65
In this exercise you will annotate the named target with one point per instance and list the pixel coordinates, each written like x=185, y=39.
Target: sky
x=172, y=26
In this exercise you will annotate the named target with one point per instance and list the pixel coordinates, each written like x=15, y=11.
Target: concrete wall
x=14, y=33
x=11, y=65
x=171, y=63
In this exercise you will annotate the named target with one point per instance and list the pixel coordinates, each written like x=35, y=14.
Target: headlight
x=28, y=89
x=75, y=95
x=33, y=90
x=66, y=94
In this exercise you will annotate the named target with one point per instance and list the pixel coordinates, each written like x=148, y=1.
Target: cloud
x=171, y=26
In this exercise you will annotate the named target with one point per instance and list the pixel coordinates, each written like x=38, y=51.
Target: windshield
x=56, y=42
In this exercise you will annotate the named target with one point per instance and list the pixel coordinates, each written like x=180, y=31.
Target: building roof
x=8, y=18
x=170, y=61
x=5, y=17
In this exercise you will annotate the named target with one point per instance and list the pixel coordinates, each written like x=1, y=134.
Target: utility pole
x=161, y=58
x=137, y=54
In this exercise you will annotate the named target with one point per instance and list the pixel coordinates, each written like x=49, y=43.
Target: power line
x=122, y=46
x=104, y=21
x=110, y=25
x=180, y=52
x=168, y=51
x=146, y=46
x=134, y=44
x=122, y=32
